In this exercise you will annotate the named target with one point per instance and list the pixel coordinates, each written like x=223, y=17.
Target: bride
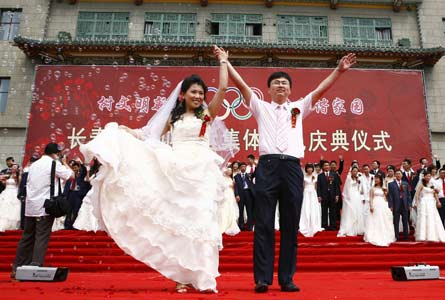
x=310, y=220
x=352, y=220
x=379, y=229
x=10, y=205
x=429, y=226
x=159, y=202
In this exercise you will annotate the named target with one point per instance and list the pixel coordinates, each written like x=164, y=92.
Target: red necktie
x=251, y=170
x=443, y=187
x=73, y=184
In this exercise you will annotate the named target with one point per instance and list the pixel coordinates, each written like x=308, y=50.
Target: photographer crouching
x=32, y=247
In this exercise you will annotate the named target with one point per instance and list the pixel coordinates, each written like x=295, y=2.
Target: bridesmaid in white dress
x=310, y=218
x=86, y=219
x=352, y=219
x=228, y=211
x=10, y=205
x=159, y=202
x=429, y=226
x=379, y=229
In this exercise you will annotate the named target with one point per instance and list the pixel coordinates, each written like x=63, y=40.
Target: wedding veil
x=221, y=140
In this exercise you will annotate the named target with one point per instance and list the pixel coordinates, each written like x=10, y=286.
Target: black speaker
x=35, y=273
x=415, y=272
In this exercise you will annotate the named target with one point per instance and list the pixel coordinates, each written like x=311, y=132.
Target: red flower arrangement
x=295, y=111
x=205, y=120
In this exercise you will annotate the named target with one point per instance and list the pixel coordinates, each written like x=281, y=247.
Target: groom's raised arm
x=240, y=84
x=345, y=63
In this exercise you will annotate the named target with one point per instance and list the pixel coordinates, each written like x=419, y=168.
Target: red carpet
x=88, y=252
x=328, y=268
x=150, y=286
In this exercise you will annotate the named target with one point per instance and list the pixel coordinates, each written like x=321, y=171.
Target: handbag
x=56, y=206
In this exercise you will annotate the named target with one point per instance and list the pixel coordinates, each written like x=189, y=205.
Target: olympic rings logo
x=231, y=108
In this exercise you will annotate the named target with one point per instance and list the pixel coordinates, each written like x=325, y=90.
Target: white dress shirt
x=39, y=182
x=438, y=185
x=244, y=180
x=265, y=114
x=366, y=183
x=250, y=169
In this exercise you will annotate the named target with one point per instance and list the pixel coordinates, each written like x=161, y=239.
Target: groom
x=400, y=201
x=278, y=174
x=328, y=192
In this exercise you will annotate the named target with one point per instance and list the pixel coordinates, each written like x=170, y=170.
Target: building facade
x=389, y=34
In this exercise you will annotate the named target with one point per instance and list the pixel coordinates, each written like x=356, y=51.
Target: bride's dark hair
x=423, y=179
x=381, y=180
x=179, y=109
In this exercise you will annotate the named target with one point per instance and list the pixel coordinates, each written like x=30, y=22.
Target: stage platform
x=328, y=268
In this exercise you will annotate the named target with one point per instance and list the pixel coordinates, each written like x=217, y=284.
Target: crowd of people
x=371, y=202
x=167, y=205
x=381, y=206
x=13, y=192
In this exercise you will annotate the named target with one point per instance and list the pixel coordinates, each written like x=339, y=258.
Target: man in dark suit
x=400, y=201
x=328, y=192
x=409, y=176
x=75, y=189
x=333, y=165
x=7, y=171
x=244, y=194
x=9, y=163
x=337, y=172
x=376, y=169
x=424, y=164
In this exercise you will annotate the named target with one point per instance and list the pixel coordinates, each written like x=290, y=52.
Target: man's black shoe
x=290, y=287
x=261, y=287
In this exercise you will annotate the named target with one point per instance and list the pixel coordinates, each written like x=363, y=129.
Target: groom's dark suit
x=411, y=179
x=328, y=189
x=400, y=201
x=244, y=188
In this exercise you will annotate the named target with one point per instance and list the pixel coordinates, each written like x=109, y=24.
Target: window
x=367, y=32
x=173, y=26
x=303, y=29
x=226, y=27
x=10, y=22
x=103, y=25
x=4, y=87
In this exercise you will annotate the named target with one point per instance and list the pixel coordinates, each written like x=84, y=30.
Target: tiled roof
x=32, y=47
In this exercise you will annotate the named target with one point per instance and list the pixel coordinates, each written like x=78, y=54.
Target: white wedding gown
x=159, y=203
x=429, y=227
x=10, y=207
x=379, y=228
x=228, y=211
x=59, y=224
x=310, y=217
x=352, y=218
x=87, y=217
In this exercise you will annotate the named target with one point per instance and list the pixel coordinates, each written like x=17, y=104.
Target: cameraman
x=34, y=242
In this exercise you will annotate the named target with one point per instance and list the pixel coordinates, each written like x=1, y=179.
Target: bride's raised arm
x=217, y=100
